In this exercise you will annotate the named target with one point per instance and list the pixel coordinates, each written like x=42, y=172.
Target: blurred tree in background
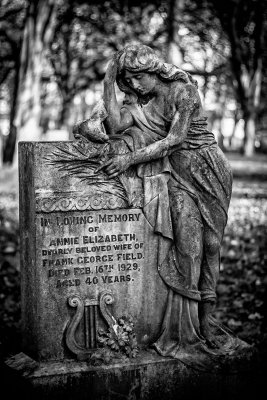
x=54, y=53
x=244, y=22
x=12, y=19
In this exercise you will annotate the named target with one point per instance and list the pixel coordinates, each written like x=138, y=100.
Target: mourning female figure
x=187, y=185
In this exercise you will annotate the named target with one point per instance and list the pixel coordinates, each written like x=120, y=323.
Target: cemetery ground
x=242, y=287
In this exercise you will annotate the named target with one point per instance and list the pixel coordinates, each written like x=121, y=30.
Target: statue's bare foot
x=205, y=331
x=205, y=309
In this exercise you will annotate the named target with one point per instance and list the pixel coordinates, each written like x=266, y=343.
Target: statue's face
x=142, y=82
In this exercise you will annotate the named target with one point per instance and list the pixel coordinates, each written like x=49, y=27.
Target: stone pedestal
x=149, y=377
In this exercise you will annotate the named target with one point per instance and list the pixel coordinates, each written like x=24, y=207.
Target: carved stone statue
x=161, y=132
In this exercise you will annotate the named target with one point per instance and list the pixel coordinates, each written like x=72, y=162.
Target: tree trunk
x=249, y=76
x=174, y=54
x=250, y=132
x=234, y=129
x=38, y=33
x=64, y=120
x=252, y=109
x=1, y=148
x=220, y=138
x=10, y=145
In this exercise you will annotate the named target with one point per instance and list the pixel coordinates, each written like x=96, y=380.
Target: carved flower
x=122, y=340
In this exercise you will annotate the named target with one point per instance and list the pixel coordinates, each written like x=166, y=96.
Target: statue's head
x=137, y=58
x=140, y=68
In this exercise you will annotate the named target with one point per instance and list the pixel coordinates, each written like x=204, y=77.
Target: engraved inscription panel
x=88, y=251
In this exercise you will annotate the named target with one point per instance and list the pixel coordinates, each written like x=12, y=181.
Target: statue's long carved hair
x=141, y=58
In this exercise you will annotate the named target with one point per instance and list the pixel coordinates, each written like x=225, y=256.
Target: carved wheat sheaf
x=96, y=191
x=95, y=202
x=80, y=160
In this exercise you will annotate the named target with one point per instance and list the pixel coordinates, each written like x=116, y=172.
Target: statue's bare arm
x=186, y=104
x=187, y=101
x=118, y=119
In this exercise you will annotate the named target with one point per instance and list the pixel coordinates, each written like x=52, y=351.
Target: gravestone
x=88, y=256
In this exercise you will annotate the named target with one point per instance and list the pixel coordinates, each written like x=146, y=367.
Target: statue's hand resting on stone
x=116, y=165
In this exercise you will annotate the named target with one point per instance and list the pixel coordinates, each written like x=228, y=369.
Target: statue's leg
x=208, y=281
x=188, y=235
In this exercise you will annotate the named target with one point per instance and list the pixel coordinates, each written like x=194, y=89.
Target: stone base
x=149, y=377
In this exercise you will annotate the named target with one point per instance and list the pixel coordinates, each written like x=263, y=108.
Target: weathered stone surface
x=78, y=243
x=149, y=377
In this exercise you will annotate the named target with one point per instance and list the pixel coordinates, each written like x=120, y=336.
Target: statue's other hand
x=115, y=165
x=90, y=130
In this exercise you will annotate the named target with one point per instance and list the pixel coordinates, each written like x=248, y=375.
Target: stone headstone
x=88, y=256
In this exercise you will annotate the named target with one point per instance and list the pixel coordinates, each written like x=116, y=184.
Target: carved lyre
x=87, y=310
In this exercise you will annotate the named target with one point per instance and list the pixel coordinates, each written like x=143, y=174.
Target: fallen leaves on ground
x=9, y=274
x=242, y=286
